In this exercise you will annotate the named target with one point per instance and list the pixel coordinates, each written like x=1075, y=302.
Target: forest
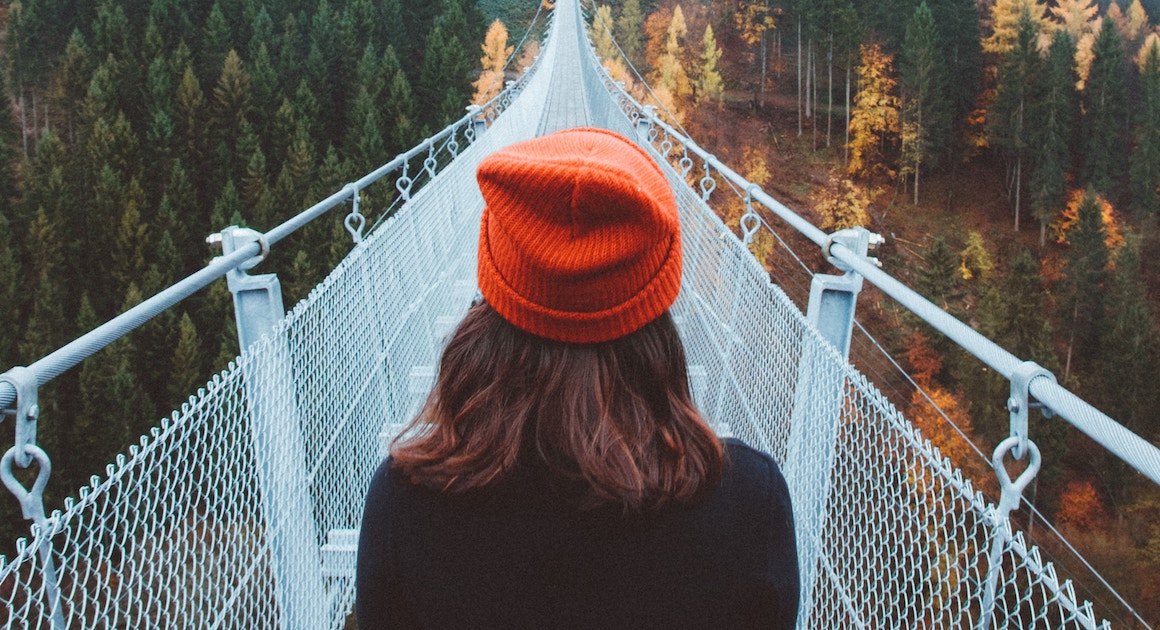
x=1008, y=149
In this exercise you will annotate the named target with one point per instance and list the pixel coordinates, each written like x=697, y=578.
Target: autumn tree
x=874, y=123
x=670, y=70
x=710, y=87
x=600, y=32
x=1006, y=16
x=843, y=204
x=1105, y=111
x=495, y=56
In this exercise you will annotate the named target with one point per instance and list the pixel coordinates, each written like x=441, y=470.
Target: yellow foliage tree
x=670, y=70
x=976, y=260
x=842, y=205
x=601, y=33
x=495, y=55
x=1005, y=23
x=710, y=87
x=874, y=123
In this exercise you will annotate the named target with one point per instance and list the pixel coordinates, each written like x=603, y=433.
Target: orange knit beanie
x=580, y=240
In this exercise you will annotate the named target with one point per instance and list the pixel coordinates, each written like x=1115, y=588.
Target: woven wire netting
x=242, y=509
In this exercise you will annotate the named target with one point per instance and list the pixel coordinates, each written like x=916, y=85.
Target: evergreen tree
x=231, y=99
x=924, y=115
x=72, y=82
x=266, y=93
x=216, y=43
x=1127, y=390
x=1145, y=160
x=1008, y=124
x=401, y=113
x=1086, y=271
x=939, y=279
x=629, y=32
x=1052, y=118
x=1105, y=111
x=443, y=82
x=188, y=363
x=957, y=25
x=9, y=292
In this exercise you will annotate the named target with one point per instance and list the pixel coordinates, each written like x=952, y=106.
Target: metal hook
x=355, y=221
x=1012, y=491
x=31, y=501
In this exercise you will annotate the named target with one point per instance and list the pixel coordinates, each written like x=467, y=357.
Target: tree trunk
x=1018, y=183
x=846, y=152
x=799, y=75
x=23, y=124
x=777, y=35
x=763, y=68
x=829, y=90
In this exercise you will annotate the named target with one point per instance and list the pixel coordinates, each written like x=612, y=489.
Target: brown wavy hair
x=615, y=419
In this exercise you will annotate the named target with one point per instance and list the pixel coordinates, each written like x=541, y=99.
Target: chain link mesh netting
x=242, y=509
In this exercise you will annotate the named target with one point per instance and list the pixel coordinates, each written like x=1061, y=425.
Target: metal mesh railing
x=242, y=509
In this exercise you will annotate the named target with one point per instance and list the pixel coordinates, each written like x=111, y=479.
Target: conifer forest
x=1008, y=150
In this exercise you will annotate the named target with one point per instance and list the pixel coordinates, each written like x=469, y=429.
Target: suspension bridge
x=242, y=508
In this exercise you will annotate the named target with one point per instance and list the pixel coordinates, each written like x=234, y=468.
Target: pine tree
x=9, y=292
x=188, y=363
x=1144, y=172
x=495, y=56
x=71, y=82
x=874, y=123
x=1105, y=111
x=216, y=43
x=1086, y=271
x=1052, y=118
x=1008, y=119
x=630, y=32
x=1127, y=390
x=401, y=113
x=939, y=280
x=600, y=32
x=924, y=116
x=710, y=87
x=231, y=99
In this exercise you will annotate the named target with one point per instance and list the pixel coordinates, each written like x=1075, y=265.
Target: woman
x=559, y=475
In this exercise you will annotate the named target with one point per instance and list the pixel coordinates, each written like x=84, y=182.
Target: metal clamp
x=234, y=238
x=26, y=411
x=858, y=240
x=1019, y=404
x=355, y=221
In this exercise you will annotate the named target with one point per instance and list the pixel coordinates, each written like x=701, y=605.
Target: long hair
x=615, y=419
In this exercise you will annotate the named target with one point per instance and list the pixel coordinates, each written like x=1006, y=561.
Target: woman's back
x=523, y=556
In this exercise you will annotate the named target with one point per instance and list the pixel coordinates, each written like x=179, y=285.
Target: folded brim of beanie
x=580, y=238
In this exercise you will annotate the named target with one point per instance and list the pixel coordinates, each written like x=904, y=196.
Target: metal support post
x=818, y=399
x=277, y=440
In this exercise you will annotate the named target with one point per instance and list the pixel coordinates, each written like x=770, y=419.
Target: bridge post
x=818, y=399
x=277, y=440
